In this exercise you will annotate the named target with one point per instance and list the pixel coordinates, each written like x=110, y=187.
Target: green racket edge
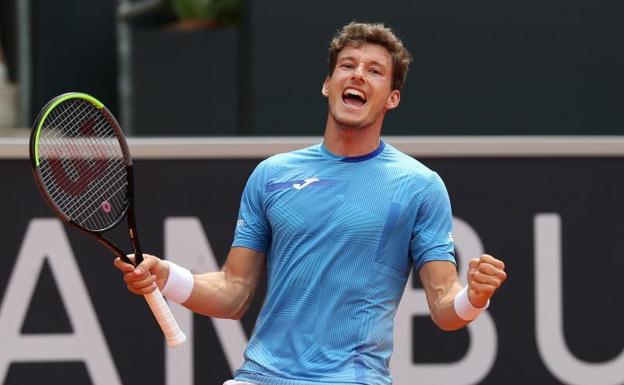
x=58, y=100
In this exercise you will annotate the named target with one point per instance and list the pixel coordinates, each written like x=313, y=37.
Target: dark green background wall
x=482, y=67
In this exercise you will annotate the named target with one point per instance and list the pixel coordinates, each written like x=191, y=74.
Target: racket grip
x=173, y=334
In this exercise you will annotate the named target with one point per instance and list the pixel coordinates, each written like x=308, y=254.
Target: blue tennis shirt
x=341, y=236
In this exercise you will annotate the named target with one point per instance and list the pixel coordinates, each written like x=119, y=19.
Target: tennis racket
x=83, y=169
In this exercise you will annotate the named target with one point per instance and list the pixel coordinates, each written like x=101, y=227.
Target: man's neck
x=351, y=142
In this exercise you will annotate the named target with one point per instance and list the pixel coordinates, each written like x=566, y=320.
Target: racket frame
x=174, y=336
x=128, y=210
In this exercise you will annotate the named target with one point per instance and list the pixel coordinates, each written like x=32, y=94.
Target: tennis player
x=337, y=227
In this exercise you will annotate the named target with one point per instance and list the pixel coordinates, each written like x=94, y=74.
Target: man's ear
x=325, y=89
x=393, y=100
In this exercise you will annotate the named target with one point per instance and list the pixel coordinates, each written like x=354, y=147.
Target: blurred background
x=249, y=68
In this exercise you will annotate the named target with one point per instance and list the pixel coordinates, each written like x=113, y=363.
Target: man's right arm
x=228, y=293
x=223, y=294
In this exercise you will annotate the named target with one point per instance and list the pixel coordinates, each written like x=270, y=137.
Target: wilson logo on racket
x=73, y=175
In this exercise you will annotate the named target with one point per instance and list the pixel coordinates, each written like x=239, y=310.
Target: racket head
x=81, y=162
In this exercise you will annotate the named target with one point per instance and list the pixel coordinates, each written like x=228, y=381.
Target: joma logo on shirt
x=298, y=184
x=305, y=183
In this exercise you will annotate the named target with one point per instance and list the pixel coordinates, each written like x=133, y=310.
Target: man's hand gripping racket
x=83, y=169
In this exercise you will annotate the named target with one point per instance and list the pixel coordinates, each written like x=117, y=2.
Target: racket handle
x=173, y=334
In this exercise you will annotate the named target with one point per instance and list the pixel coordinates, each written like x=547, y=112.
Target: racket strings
x=82, y=164
x=117, y=201
x=90, y=173
x=77, y=211
x=83, y=211
x=68, y=129
x=63, y=197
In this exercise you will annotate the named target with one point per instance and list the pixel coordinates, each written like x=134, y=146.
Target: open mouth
x=353, y=97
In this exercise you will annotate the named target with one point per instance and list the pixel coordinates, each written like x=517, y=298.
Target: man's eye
x=346, y=65
x=375, y=71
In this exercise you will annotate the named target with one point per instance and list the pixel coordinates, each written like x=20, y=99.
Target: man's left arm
x=453, y=306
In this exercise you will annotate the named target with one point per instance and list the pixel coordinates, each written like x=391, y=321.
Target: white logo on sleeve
x=305, y=183
x=450, y=235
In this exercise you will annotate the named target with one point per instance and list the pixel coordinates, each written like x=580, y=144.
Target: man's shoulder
x=408, y=164
x=286, y=158
x=276, y=164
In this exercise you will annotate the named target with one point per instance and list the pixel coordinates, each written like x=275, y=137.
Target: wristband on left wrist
x=464, y=308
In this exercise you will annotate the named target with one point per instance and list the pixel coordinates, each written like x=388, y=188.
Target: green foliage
x=221, y=12
x=228, y=12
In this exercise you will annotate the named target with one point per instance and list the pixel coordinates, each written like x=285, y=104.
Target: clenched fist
x=485, y=276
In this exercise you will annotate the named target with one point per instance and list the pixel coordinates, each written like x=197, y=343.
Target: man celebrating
x=337, y=227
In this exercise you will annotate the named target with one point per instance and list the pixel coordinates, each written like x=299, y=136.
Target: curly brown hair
x=355, y=34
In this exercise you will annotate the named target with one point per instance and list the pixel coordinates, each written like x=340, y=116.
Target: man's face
x=359, y=89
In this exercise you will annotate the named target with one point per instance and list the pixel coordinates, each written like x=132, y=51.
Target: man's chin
x=350, y=127
x=349, y=124
x=349, y=120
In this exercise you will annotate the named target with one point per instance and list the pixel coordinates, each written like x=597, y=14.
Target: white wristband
x=179, y=284
x=464, y=308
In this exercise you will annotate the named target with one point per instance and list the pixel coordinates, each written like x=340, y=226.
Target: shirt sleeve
x=432, y=235
x=252, y=227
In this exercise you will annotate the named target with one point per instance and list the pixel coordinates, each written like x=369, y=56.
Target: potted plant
x=194, y=53
x=191, y=14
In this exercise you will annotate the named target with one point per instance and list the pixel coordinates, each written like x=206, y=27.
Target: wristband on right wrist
x=179, y=285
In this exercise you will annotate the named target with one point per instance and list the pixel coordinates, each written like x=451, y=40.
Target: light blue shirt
x=341, y=236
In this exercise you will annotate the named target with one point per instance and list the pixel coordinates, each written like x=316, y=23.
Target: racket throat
x=133, y=235
x=132, y=228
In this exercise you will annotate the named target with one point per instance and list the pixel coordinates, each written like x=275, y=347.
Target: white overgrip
x=173, y=334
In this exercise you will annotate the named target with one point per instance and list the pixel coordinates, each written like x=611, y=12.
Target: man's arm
x=228, y=293
x=223, y=294
x=439, y=279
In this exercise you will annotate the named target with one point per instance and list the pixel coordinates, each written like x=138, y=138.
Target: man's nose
x=359, y=72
